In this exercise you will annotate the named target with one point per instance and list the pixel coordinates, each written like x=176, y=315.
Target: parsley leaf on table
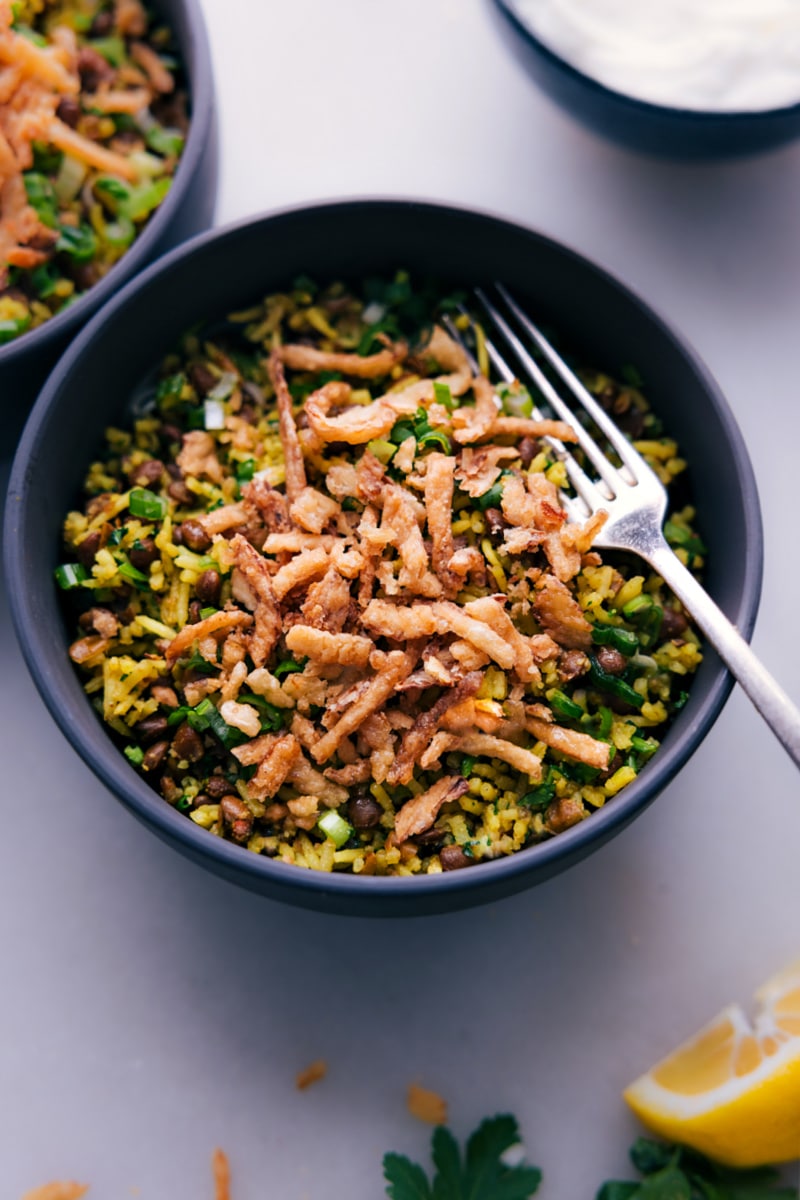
x=677, y=1173
x=482, y=1175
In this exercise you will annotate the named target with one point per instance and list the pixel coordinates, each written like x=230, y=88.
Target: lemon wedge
x=733, y=1090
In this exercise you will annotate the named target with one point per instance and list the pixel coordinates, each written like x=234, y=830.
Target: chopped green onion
x=374, y=312
x=620, y=639
x=128, y=571
x=69, y=180
x=680, y=702
x=368, y=342
x=637, y=604
x=171, y=388
x=335, y=827
x=561, y=704
x=31, y=35
x=146, y=504
x=71, y=575
x=288, y=667
x=245, y=470
x=184, y=804
x=112, y=49
x=144, y=198
x=677, y=535
x=350, y=504
x=434, y=437
x=642, y=745
x=272, y=718
x=650, y=622
x=516, y=398
x=604, y=723
x=177, y=715
x=491, y=499
x=443, y=395
x=112, y=191
x=382, y=450
x=224, y=387
x=46, y=159
x=613, y=684
x=467, y=763
x=401, y=431
x=79, y=243
x=120, y=232
x=134, y=754
x=206, y=717
x=147, y=166
x=10, y=329
x=168, y=142
x=44, y=280
x=647, y=615
x=205, y=613
x=196, y=662
x=213, y=414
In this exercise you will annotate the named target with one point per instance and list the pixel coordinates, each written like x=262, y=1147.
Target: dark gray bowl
x=226, y=270
x=26, y=362
x=653, y=128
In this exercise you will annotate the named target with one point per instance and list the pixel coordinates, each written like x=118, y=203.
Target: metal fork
x=635, y=500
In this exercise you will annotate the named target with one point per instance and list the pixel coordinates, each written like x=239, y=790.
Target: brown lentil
x=208, y=587
x=187, y=743
x=453, y=858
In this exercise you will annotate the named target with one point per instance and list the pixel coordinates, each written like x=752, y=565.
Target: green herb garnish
x=613, y=684
x=146, y=504
x=676, y=1173
x=288, y=667
x=78, y=242
x=563, y=706
x=482, y=1173
x=335, y=827
x=620, y=639
x=71, y=575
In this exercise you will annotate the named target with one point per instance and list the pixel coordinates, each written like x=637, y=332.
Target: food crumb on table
x=311, y=1074
x=222, y=1175
x=426, y=1105
x=58, y=1191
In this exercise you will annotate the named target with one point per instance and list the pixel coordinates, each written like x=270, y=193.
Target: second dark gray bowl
x=219, y=272
x=189, y=208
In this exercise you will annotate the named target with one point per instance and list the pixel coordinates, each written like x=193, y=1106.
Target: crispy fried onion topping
x=357, y=643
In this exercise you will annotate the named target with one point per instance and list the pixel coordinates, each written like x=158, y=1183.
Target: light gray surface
x=150, y=1012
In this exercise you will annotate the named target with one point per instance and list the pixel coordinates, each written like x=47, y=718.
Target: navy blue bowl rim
x=202, y=120
x=690, y=115
x=111, y=767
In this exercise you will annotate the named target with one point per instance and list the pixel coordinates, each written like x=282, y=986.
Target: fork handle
x=775, y=706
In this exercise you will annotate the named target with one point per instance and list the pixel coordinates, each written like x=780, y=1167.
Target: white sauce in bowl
x=720, y=55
